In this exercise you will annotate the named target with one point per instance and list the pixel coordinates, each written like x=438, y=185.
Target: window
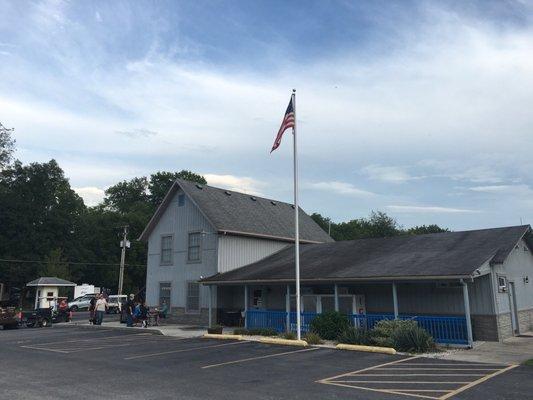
x=194, y=249
x=257, y=299
x=181, y=200
x=166, y=250
x=502, y=284
x=164, y=293
x=193, y=297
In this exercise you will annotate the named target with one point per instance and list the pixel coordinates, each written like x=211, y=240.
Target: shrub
x=289, y=335
x=313, y=338
x=240, y=331
x=412, y=339
x=383, y=330
x=329, y=325
x=356, y=336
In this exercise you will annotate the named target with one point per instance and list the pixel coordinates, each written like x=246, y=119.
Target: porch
x=442, y=308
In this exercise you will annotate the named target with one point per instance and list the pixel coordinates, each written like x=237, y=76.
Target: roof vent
x=199, y=186
x=273, y=202
x=253, y=198
x=227, y=192
x=292, y=205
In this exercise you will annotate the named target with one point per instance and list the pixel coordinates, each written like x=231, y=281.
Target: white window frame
x=169, y=293
x=501, y=288
x=161, y=262
x=187, y=296
x=200, y=246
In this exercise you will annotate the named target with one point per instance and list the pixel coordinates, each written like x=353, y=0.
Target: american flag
x=288, y=122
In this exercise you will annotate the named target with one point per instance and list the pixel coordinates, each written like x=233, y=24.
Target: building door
x=514, y=309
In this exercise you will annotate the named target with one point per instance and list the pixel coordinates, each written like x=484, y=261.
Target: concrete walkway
x=514, y=350
x=185, y=331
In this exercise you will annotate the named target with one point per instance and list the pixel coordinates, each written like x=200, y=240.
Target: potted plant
x=215, y=329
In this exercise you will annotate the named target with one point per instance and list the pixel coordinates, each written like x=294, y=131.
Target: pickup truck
x=9, y=318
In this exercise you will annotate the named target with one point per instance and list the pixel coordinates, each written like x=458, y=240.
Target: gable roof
x=436, y=255
x=50, y=281
x=242, y=214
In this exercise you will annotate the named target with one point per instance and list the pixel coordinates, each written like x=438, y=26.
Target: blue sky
x=420, y=109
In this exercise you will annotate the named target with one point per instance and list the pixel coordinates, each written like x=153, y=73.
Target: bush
x=383, y=330
x=289, y=335
x=329, y=325
x=256, y=331
x=356, y=336
x=412, y=339
x=313, y=338
x=403, y=335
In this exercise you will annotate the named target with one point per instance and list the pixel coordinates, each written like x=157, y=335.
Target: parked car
x=8, y=318
x=115, y=302
x=82, y=302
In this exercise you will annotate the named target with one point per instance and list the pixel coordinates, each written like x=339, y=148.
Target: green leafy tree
x=56, y=265
x=160, y=183
x=7, y=145
x=422, y=229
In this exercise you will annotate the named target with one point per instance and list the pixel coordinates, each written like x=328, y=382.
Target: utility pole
x=123, y=243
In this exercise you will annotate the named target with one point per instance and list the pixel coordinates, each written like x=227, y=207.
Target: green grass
x=529, y=363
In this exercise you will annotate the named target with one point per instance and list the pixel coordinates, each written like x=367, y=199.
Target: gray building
x=199, y=231
x=460, y=286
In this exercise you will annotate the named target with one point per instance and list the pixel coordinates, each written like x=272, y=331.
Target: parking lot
x=71, y=362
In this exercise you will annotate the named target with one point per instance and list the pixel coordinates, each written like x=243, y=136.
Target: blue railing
x=447, y=330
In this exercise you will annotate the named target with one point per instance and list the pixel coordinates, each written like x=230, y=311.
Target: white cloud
x=237, y=183
x=388, y=174
x=91, y=195
x=344, y=188
x=138, y=132
x=524, y=190
x=429, y=209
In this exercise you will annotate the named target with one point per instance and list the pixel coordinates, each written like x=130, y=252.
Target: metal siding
x=518, y=265
x=237, y=251
x=179, y=221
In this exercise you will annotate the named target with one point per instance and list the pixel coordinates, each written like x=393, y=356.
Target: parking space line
x=52, y=350
x=419, y=374
x=89, y=339
x=440, y=369
x=477, y=382
x=377, y=390
x=416, y=382
x=185, y=350
x=259, y=357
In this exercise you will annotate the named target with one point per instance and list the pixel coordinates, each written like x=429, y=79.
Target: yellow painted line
x=378, y=390
x=407, y=382
x=477, y=382
x=184, y=350
x=259, y=357
x=418, y=375
x=440, y=369
x=365, y=369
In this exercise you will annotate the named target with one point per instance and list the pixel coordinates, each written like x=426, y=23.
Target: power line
x=68, y=262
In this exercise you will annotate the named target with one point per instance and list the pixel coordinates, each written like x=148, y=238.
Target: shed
x=47, y=289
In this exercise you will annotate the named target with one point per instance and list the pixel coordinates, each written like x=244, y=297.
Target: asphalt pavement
x=69, y=362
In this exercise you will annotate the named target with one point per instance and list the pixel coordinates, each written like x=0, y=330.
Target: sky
x=419, y=109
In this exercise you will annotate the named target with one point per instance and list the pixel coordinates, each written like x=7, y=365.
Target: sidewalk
x=176, y=330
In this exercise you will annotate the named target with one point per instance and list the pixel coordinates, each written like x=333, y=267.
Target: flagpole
x=296, y=225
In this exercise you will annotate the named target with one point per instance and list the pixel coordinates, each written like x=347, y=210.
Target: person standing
x=130, y=306
x=92, y=314
x=100, y=308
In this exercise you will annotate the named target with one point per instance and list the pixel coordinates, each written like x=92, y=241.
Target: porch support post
x=245, y=306
x=395, y=299
x=467, y=314
x=336, y=297
x=288, y=309
x=210, y=305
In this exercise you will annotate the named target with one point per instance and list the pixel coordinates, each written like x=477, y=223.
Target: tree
x=56, y=265
x=423, y=229
x=7, y=145
x=378, y=224
x=160, y=183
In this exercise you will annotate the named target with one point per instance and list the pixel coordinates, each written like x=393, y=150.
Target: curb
x=286, y=342
x=119, y=328
x=222, y=336
x=370, y=349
